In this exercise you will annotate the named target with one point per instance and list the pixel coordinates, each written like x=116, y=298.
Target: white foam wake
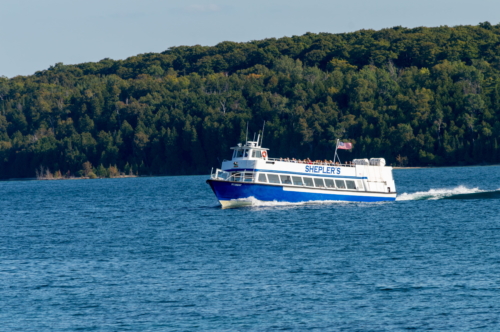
x=434, y=194
x=256, y=202
x=252, y=201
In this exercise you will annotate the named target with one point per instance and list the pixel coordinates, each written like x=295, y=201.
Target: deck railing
x=306, y=163
x=319, y=163
x=219, y=174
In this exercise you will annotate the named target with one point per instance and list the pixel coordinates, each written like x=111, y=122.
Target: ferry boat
x=251, y=175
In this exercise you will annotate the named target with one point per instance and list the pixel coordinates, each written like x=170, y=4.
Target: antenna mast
x=263, y=126
x=246, y=137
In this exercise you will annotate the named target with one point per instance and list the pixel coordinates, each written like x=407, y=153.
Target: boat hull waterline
x=236, y=194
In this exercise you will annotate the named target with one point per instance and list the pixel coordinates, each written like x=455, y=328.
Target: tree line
x=422, y=96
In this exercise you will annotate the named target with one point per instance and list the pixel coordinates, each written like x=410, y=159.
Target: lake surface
x=159, y=254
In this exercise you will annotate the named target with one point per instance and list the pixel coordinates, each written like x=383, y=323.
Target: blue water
x=158, y=254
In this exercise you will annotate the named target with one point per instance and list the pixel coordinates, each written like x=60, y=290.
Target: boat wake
x=253, y=202
x=459, y=192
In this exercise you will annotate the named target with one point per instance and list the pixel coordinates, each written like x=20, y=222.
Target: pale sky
x=36, y=34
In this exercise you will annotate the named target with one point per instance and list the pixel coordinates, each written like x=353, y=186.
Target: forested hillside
x=423, y=96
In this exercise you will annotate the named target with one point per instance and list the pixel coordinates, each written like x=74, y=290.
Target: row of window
x=299, y=181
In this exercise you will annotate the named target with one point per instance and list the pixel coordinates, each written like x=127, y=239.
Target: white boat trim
x=338, y=192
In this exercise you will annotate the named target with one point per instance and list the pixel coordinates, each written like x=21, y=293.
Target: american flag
x=344, y=146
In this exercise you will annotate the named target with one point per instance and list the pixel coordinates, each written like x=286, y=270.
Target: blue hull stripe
x=226, y=191
x=293, y=173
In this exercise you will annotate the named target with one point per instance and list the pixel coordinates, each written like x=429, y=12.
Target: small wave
x=460, y=192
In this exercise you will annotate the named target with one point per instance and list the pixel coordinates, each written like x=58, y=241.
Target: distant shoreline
x=417, y=167
x=139, y=176
x=86, y=178
x=72, y=178
x=401, y=167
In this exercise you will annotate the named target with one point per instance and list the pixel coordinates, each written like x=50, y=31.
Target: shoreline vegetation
x=416, y=97
x=87, y=172
x=74, y=178
x=57, y=176
x=90, y=174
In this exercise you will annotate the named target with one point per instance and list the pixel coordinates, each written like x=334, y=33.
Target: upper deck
x=251, y=152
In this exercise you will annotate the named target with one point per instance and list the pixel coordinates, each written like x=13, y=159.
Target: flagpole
x=336, y=147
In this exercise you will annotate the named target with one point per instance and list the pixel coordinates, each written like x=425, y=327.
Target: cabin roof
x=248, y=147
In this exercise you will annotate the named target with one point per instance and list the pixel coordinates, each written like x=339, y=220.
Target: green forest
x=417, y=97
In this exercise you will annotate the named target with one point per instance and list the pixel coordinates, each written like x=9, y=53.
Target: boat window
x=329, y=183
x=239, y=154
x=308, y=182
x=245, y=153
x=286, y=179
x=248, y=177
x=350, y=184
x=318, y=182
x=262, y=177
x=273, y=178
x=256, y=154
x=297, y=180
x=222, y=175
x=340, y=184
